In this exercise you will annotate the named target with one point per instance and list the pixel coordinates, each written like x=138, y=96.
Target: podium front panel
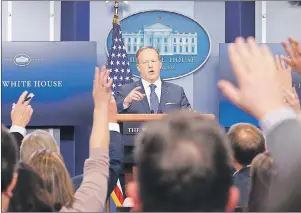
x=129, y=131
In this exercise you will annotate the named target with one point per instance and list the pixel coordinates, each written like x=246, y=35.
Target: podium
x=131, y=125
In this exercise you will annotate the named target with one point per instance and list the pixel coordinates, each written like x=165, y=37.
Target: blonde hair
x=38, y=139
x=51, y=167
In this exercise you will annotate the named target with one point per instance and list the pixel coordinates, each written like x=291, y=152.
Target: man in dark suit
x=247, y=141
x=150, y=94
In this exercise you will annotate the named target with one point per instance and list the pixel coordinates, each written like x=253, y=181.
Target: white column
x=138, y=41
x=190, y=46
x=132, y=44
x=163, y=43
x=263, y=22
x=9, y=20
x=195, y=45
x=51, y=21
x=51, y=38
x=168, y=44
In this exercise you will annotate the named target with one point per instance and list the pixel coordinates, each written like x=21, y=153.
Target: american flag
x=119, y=67
x=118, y=63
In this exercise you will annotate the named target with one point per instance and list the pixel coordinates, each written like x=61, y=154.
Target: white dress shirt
x=147, y=89
x=240, y=169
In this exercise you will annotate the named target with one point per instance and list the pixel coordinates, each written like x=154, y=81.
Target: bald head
x=247, y=141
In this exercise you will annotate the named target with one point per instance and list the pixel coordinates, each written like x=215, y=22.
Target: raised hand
x=259, y=88
x=101, y=87
x=294, y=52
x=21, y=111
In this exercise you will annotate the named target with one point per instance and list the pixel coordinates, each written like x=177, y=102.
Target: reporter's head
x=8, y=166
x=36, y=140
x=183, y=164
x=51, y=167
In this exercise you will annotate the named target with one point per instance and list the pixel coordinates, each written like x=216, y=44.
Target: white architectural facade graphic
x=163, y=38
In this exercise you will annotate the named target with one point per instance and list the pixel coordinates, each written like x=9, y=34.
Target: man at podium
x=150, y=94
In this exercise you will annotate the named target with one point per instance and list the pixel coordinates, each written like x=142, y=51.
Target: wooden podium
x=139, y=119
x=146, y=117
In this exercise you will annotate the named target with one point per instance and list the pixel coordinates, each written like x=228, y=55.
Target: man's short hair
x=8, y=158
x=146, y=48
x=183, y=164
x=247, y=141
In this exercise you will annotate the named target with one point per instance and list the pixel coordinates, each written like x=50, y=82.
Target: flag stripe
x=115, y=199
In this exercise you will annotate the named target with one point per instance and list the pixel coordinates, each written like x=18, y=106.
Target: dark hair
x=8, y=158
x=247, y=141
x=30, y=193
x=183, y=164
x=261, y=175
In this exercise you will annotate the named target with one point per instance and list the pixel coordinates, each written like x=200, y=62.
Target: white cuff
x=18, y=129
x=126, y=106
x=114, y=127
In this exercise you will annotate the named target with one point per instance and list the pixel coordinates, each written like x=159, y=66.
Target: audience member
x=8, y=167
x=247, y=141
x=36, y=140
x=262, y=172
x=30, y=193
x=183, y=164
x=51, y=167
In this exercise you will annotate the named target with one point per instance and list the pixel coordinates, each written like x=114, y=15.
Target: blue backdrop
x=60, y=74
x=230, y=114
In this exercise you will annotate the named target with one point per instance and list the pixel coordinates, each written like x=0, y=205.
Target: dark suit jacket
x=19, y=137
x=242, y=180
x=172, y=97
x=116, y=160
